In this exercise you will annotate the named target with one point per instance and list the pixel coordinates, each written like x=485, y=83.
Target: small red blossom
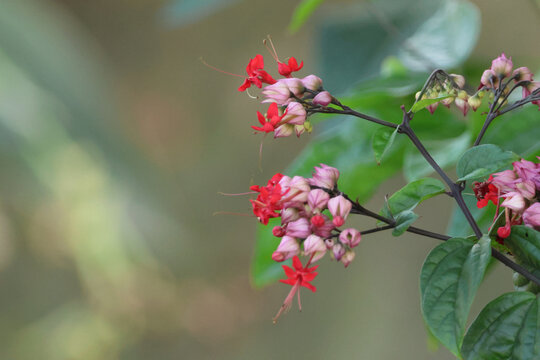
x=256, y=75
x=271, y=121
x=287, y=69
x=297, y=277
x=268, y=202
x=486, y=191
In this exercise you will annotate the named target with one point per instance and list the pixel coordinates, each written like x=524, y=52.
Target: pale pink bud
x=514, y=201
x=504, y=180
x=432, y=107
x=278, y=93
x=287, y=248
x=317, y=200
x=314, y=245
x=299, y=228
x=298, y=190
x=489, y=79
x=299, y=129
x=502, y=66
x=474, y=102
x=295, y=86
x=329, y=243
x=526, y=170
x=348, y=257
x=288, y=215
x=323, y=98
x=324, y=177
x=338, y=251
x=350, y=237
x=339, y=206
x=312, y=82
x=295, y=114
x=283, y=131
x=526, y=189
x=522, y=74
x=530, y=87
x=459, y=80
x=462, y=105
x=446, y=102
x=531, y=216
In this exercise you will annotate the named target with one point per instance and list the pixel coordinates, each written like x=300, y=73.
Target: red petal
x=284, y=70
x=272, y=110
x=258, y=128
x=246, y=84
x=261, y=118
x=288, y=271
x=257, y=62
x=288, y=281
x=309, y=277
x=265, y=77
x=312, y=268
x=309, y=286
x=297, y=263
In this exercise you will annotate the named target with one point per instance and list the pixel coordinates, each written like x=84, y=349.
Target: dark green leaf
x=507, y=328
x=382, y=141
x=422, y=104
x=449, y=280
x=264, y=270
x=403, y=221
x=302, y=12
x=481, y=161
x=524, y=243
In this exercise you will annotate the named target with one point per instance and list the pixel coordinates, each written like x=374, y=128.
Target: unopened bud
x=312, y=82
x=474, y=102
x=283, y=131
x=295, y=114
x=308, y=127
x=350, y=237
x=339, y=206
x=459, y=80
x=348, y=257
x=502, y=66
x=278, y=231
x=287, y=248
x=314, y=245
x=317, y=220
x=531, y=216
x=338, y=251
x=317, y=200
x=323, y=98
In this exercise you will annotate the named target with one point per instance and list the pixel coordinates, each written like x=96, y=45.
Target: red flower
x=268, y=201
x=297, y=277
x=293, y=66
x=256, y=74
x=484, y=192
x=273, y=119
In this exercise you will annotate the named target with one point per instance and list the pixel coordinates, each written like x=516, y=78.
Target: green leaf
x=382, y=141
x=422, y=104
x=445, y=152
x=449, y=280
x=400, y=205
x=302, y=12
x=524, y=243
x=507, y=328
x=264, y=270
x=483, y=160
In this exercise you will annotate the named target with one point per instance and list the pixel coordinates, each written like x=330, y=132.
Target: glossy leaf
x=449, y=280
x=524, y=243
x=507, y=328
x=481, y=161
x=403, y=221
x=302, y=13
x=382, y=141
x=412, y=194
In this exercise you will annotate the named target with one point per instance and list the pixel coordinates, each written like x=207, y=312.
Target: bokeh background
x=115, y=141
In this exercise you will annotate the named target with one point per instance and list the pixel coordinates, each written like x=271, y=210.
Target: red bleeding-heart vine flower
x=486, y=191
x=297, y=277
x=271, y=121
x=287, y=69
x=268, y=202
x=256, y=75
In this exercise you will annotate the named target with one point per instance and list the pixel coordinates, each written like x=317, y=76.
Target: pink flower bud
x=526, y=170
x=314, y=245
x=338, y=251
x=463, y=105
x=338, y=221
x=514, y=201
x=489, y=79
x=350, y=237
x=432, y=107
x=295, y=114
x=323, y=98
x=339, y=206
x=287, y=248
x=317, y=200
x=522, y=74
x=278, y=93
x=324, y=177
x=504, y=231
x=526, y=189
x=298, y=190
x=348, y=257
x=299, y=129
x=299, y=228
x=312, y=82
x=459, y=80
x=505, y=180
x=288, y=215
x=278, y=231
x=474, y=102
x=530, y=87
x=329, y=243
x=317, y=220
x=283, y=131
x=502, y=66
x=531, y=216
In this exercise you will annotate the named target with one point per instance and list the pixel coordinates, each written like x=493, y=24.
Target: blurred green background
x=115, y=141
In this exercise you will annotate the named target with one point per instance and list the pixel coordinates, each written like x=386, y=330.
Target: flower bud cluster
x=312, y=212
x=451, y=89
x=520, y=189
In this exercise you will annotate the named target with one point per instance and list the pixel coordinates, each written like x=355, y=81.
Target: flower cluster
x=291, y=98
x=520, y=189
x=501, y=69
x=451, y=91
x=312, y=211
